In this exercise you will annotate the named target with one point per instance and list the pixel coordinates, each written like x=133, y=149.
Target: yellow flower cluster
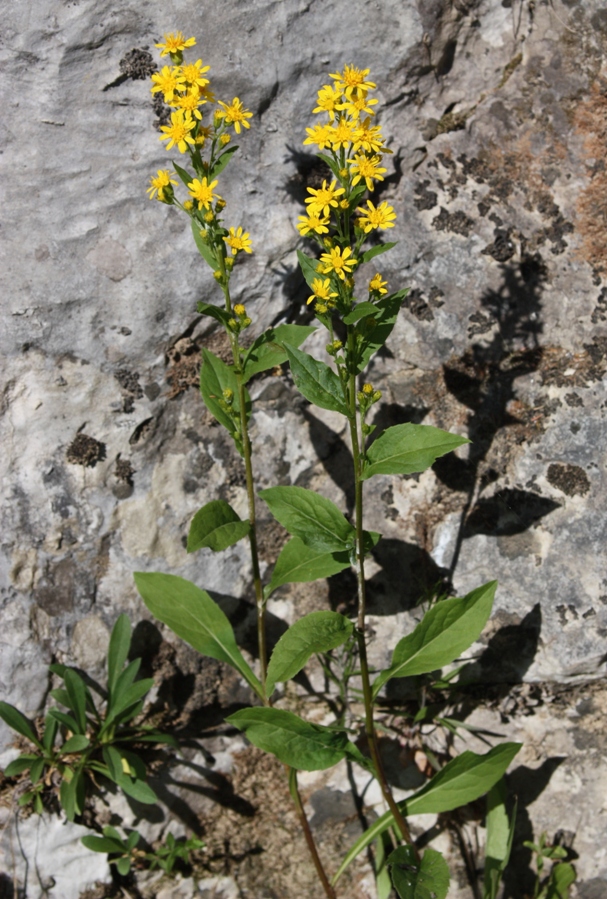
x=184, y=87
x=356, y=146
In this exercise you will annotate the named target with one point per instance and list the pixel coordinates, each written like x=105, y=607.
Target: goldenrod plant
x=358, y=314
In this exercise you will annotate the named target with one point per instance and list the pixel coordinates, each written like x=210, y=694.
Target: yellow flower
x=322, y=199
x=239, y=309
x=178, y=132
x=367, y=388
x=203, y=192
x=367, y=168
x=322, y=291
x=235, y=114
x=352, y=80
x=328, y=97
x=187, y=205
x=369, y=138
x=338, y=262
x=342, y=134
x=194, y=73
x=167, y=81
x=314, y=222
x=189, y=103
x=161, y=185
x=176, y=43
x=382, y=216
x=238, y=240
x=321, y=135
x=376, y=285
x=357, y=104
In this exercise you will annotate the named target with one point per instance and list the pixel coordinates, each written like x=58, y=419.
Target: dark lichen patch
x=183, y=370
x=563, y=368
x=599, y=313
x=569, y=479
x=424, y=198
x=124, y=471
x=129, y=381
x=574, y=400
x=455, y=222
x=85, y=450
x=502, y=249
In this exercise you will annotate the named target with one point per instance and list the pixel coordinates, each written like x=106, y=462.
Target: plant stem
x=305, y=825
x=246, y=448
x=362, y=603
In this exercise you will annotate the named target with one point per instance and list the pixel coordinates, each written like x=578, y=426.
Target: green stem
x=362, y=604
x=305, y=825
x=246, y=449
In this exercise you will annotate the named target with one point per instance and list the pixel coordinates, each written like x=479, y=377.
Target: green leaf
x=461, y=781
x=77, y=743
x=76, y=690
x=268, y=350
x=445, y=631
x=309, y=267
x=216, y=526
x=60, y=695
x=120, y=643
x=316, y=632
x=37, y=770
x=13, y=717
x=134, y=837
x=409, y=448
x=123, y=865
x=222, y=161
x=428, y=879
x=297, y=743
x=130, y=697
x=71, y=794
x=64, y=719
x=215, y=377
x=360, y=311
x=137, y=789
x=562, y=877
x=498, y=842
x=203, y=248
x=333, y=164
x=298, y=563
x=311, y=517
x=375, y=330
x=185, y=176
x=316, y=381
x=103, y=844
x=194, y=617
x=20, y=764
x=383, y=883
x=376, y=251
x=220, y=315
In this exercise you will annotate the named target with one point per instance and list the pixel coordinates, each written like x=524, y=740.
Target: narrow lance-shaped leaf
x=461, y=781
x=15, y=719
x=268, y=350
x=409, y=448
x=316, y=381
x=220, y=315
x=216, y=526
x=215, y=377
x=360, y=311
x=76, y=690
x=498, y=842
x=445, y=631
x=297, y=743
x=195, y=617
x=316, y=632
x=373, y=331
x=311, y=517
x=202, y=247
x=368, y=255
x=183, y=174
x=120, y=643
x=298, y=563
x=413, y=879
x=222, y=161
x=309, y=267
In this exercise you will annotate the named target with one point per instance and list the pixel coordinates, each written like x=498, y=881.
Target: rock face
x=497, y=116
